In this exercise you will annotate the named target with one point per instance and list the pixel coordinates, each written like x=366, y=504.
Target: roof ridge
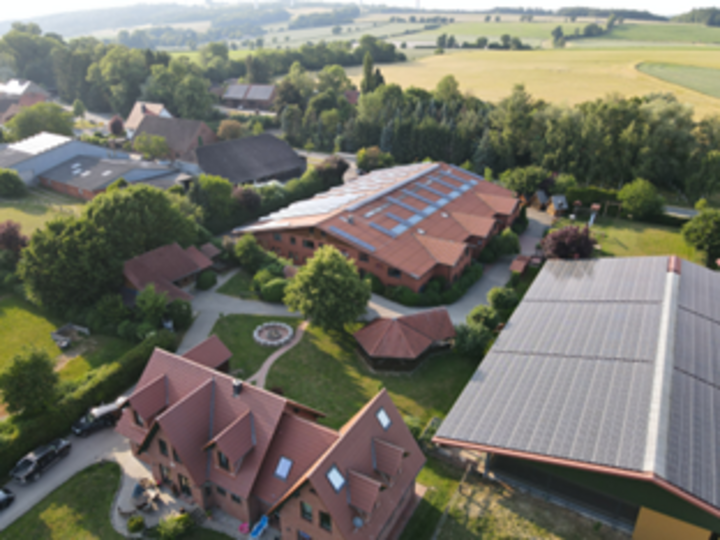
x=227, y=428
x=184, y=399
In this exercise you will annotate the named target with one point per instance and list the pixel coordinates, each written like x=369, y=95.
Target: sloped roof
x=19, y=87
x=405, y=337
x=237, y=439
x=163, y=266
x=388, y=457
x=210, y=250
x=608, y=364
x=211, y=353
x=250, y=159
x=140, y=110
x=150, y=399
x=411, y=217
x=180, y=134
x=352, y=453
x=259, y=92
x=95, y=173
x=364, y=491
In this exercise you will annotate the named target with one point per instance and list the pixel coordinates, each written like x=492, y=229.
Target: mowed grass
x=37, y=208
x=93, y=352
x=664, y=32
x=624, y=238
x=701, y=79
x=24, y=325
x=239, y=285
x=236, y=332
x=561, y=76
x=324, y=371
x=80, y=510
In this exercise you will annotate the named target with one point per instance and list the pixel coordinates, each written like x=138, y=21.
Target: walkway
x=259, y=378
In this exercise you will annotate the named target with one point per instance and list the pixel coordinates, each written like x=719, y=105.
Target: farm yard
x=568, y=76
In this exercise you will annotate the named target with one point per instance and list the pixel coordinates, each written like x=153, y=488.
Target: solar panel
x=436, y=191
x=383, y=230
x=421, y=198
x=347, y=236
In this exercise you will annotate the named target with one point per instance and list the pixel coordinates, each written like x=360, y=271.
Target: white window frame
x=383, y=418
x=334, y=473
x=287, y=465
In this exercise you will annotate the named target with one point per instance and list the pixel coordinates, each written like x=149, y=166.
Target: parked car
x=38, y=461
x=99, y=417
x=6, y=498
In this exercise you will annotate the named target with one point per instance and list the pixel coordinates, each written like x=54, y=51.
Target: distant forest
x=707, y=16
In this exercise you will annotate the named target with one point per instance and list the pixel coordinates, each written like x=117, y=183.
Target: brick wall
x=67, y=189
x=292, y=521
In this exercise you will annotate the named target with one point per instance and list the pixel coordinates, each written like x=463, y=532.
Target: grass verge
x=236, y=332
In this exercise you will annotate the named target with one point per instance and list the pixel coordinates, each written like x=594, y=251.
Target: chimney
x=237, y=388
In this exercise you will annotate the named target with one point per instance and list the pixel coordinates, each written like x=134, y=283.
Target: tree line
x=345, y=15
x=706, y=16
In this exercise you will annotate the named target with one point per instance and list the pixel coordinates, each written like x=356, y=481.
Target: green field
x=324, y=371
x=665, y=32
x=562, y=76
x=40, y=206
x=532, y=32
x=701, y=79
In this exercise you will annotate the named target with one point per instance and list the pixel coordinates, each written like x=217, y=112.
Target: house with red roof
x=400, y=343
x=170, y=268
x=221, y=443
x=406, y=225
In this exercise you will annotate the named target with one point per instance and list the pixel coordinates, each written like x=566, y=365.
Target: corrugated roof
x=40, y=143
x=612, y=363
x=260, y=92
x=94, y=173
x=236, y=91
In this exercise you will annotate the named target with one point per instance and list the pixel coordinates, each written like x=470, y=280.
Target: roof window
x=283, y=468
x=383, y=418
x=336, y=479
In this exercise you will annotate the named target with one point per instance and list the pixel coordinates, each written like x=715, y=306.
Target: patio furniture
x=259, y=528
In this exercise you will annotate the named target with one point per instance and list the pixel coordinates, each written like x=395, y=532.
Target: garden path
x=260, y=377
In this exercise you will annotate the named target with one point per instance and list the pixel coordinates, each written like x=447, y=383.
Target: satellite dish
x=358, y=522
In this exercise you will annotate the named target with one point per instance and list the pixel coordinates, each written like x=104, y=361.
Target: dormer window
x=282, y=471
x=336, y=479
x=223, y=461
x=383, y=418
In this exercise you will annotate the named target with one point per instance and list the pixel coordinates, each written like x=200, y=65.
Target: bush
x=377, y=286
x=206, y=280
x=640, y=199
x=521, y=223
x=136, y=524
x=370, y=159
x=568, y=243
x=18, y=435
x=261, y=278
x=590, y=195
x=488, y=255
x=127, y=330
x=249, y=253
x=563, y=183
x=472, y=340
x=174, y=527
x=415, y=426
x=181, y=314
x=483, y=315
x=11, y=185
x=503, y=300
x=274, y=290
x=109, y=312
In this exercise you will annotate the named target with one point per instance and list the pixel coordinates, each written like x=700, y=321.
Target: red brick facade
x=67, y=189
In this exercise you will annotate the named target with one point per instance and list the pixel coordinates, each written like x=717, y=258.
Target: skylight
x=336, y=479
x=383, y=418
x=283, y=468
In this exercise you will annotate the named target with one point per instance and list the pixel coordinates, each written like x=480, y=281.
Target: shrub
x=174, y=527
x=206, y=280
x=415, y=426
x=568, y=243
x=249, y=253
x=507, y=243
x=488, y=255
x=377, y=286
x=181, y=314
x=521, y=223
x=483, y=315
x=503, y=300
x=472, y=340
x=261, y=278
x=144, y=330
x=590, y=195
x=641, y=199
x=11, y=185
x=370, y=159
x=136, y=524
x=274, y=290
x=563, y=183
x=127, y=330
x=109, y=312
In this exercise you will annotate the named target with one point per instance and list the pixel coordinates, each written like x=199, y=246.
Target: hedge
x=590, y=195
x=436, y=293
x=274, y=290
x=20, y=435
x=206, y=280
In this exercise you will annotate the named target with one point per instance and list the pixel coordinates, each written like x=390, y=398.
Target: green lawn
x=665, y=32
x=80, y=510
x=701, y=79
x=623, y=238
x=37, y=208
x=324, y=372
x=236, y=331
x=239, y=285
x=94, y=352
x=22, y=325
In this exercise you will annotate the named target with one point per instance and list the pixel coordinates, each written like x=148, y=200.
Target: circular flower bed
x=273, y=334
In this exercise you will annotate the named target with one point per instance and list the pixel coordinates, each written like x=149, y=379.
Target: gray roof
x=10, y=156
x=251, y=159
x=259, y=92
x=559, y=202
x=611, y=362
x=236, y=91
x=93, y=173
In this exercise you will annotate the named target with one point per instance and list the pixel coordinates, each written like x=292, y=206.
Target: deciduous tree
x=328, y=290
x=641, y=199
x=32, y=120
x=703, y=233
x=11, y=185
x=568, y=243
x=29, y=385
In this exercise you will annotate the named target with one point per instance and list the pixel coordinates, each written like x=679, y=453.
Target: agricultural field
x=560, y=76
x=701, y=79
x=664, y=32
x=37, y=208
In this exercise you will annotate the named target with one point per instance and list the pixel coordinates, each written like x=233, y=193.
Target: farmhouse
x=602, y=391
x=226, y=444
x=251, y=159
x=405, y=225
x=183, y=137
x=250, y=96
x=140, y=110
x=170, y=268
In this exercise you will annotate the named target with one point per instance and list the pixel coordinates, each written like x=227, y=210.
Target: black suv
x=6, y=498
x=98, y=418
x=35, y=463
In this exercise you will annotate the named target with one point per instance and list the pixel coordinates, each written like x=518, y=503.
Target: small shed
x=520, y=264
x=540, y=200
x=558, y=205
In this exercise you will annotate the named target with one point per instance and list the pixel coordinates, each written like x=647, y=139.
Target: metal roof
x=42, y=142
x=613, y=363
x=93, y=173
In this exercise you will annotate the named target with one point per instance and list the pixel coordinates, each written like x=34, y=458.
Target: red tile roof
x=163, y=266
x=364, y=491
x=211, y=353
x=520, y=264
x=411, y=217
x=210, y=250
x=138, y=112
x=150, y=399
x=405, y=337
x=388, y=457
x=351, y=454
x=237, y=439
